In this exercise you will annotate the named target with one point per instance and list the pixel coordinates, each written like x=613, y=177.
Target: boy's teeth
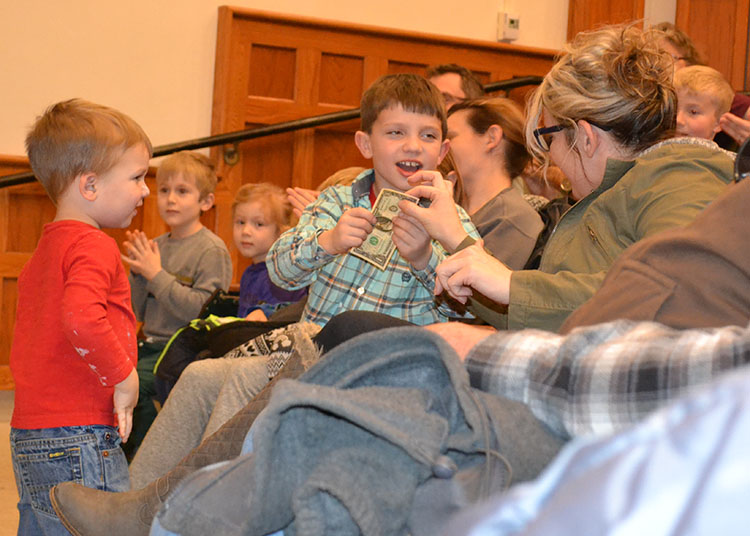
x=410, y=165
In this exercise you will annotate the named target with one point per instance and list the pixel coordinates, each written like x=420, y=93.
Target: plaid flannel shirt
x=602, y=378
x=341, y=283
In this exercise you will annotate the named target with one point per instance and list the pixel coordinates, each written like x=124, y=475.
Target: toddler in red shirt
x=74, y=346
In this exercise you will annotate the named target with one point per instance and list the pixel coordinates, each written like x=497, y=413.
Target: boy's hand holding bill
x=350, y=231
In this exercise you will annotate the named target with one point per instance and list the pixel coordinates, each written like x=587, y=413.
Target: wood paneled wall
x=269, y=69
x=719, y=29
x=590, y=14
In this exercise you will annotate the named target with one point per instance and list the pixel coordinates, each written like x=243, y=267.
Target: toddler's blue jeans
x=88, y=455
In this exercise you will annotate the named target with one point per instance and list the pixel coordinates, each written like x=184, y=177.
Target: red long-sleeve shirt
x=75, y=331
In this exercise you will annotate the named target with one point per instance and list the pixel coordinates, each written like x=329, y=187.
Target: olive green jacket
x=666, y=186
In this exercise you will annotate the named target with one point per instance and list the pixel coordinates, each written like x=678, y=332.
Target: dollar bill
x=378, y=247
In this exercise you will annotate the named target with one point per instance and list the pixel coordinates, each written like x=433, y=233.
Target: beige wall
x=154, y=59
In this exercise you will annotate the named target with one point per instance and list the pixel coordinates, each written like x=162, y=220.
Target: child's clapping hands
x=143, y=254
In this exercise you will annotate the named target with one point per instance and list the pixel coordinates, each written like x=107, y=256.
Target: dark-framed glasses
x=543, y=136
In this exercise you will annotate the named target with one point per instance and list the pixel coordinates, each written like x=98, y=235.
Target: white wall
x=154, y=59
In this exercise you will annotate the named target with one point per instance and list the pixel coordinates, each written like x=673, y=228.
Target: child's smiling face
x=696, y=115
x=400, y=144
x=253, y=231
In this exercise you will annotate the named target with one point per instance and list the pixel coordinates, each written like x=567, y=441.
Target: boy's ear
x=87, y=185
x=444, y=148
x=207, y=202
x=493, y=136
x=362, y=141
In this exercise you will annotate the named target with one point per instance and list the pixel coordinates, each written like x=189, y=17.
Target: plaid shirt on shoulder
x=602, y=378
x=339, y=283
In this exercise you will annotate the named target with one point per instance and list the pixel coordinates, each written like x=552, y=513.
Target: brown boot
x=89, y=512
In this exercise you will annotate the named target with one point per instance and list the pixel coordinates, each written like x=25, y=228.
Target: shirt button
x=105, y=454
x=361, y=290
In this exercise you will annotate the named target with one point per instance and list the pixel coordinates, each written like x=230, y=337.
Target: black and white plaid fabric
x=602, y=378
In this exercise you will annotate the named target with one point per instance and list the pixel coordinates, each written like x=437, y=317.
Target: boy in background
x=703, y=96
x=403, y=132
x=74, y=349
x=173, y=275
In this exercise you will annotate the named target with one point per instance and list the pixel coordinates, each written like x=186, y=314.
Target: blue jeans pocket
x=87, y=455
x=42, y=463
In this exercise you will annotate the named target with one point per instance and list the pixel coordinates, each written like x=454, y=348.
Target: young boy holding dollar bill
x=351, y=246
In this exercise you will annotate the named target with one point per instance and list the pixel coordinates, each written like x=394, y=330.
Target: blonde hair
x=190, y=164
x=76, y=136
x=616, y=78
x=702, y=80
x=273, y=199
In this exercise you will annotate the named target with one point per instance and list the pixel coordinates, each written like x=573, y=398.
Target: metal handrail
x=279, y=128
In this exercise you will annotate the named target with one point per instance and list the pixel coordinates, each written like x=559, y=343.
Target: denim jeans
x=88, y=455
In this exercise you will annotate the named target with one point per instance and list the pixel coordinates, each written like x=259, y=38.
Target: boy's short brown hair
x=274, y=200
x=190, y=164
x=703, y=80
x=413, y=92
x=76, y=136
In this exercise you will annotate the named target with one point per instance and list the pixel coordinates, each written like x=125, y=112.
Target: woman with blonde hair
x=607, y=109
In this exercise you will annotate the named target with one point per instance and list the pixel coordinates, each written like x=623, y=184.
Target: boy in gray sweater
x=173, y=275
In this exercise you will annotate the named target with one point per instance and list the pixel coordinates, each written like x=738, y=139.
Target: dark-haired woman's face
x=466, y=145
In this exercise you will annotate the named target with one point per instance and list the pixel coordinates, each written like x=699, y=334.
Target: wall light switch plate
x=507, y=26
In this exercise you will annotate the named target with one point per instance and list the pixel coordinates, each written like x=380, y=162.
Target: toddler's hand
x=143, y=254
x=350, y=231
x=125, y=399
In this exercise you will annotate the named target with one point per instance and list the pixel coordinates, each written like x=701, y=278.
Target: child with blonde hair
x=703, y=96
x=74, y=351
x=173, y=275
x=261, y=212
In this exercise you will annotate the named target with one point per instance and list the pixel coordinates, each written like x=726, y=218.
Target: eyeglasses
x=543, y=136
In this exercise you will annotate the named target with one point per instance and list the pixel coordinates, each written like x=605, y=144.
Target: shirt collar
x=363, y=182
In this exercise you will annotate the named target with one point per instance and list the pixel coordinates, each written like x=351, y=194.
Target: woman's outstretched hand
x=473, y=269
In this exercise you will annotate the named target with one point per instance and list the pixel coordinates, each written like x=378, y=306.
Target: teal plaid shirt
x=339, y=283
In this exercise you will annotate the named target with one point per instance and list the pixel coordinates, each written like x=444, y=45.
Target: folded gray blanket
x=384, y=435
